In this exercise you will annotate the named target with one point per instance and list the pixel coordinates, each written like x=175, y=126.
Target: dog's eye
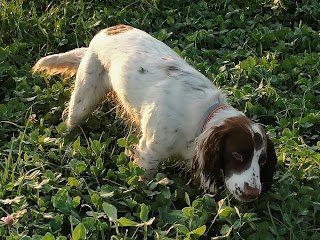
x=237, y=156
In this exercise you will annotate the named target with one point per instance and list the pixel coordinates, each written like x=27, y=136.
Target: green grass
x=80, y=185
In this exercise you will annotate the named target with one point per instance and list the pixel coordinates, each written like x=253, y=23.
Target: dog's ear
x=208, y=160
x=268, y=170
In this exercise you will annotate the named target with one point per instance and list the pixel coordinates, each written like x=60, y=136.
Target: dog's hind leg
x=92, y=84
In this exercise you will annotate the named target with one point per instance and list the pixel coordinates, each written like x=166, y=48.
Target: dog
x=178, y=110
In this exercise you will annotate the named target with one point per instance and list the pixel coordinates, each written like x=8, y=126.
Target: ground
x=80, y=185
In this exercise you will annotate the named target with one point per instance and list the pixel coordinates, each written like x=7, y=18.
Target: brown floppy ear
x=208, y=160
x=268, y=170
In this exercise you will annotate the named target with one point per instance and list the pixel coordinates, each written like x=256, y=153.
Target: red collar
x=210, y=113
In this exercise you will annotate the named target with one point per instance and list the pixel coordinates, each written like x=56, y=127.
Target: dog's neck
x=215, y=101
x=221, y=115
x=193, y=118
x=209, y=114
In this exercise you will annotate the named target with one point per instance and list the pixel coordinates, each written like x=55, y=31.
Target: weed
x=80, y=185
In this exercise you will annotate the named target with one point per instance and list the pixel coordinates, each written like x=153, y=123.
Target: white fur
x=162, y=94
x=251, y=176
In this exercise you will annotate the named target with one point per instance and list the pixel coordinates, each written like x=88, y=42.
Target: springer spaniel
x=179, y=111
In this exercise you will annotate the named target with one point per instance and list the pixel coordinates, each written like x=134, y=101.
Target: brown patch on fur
x=238, y=138
x=234, y=136
x=258, y=141
x=117, y=29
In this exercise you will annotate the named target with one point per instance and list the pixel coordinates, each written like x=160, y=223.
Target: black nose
x=251, y=193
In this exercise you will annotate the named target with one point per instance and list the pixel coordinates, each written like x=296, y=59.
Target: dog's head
x=241, y=150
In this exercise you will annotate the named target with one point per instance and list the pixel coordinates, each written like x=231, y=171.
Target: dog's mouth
x=243, y=192
x=248, y=195
x=244, y=199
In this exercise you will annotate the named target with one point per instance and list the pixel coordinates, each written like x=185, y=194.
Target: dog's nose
x=251, y=193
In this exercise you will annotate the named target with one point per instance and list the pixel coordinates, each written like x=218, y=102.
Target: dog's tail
x=66, y=64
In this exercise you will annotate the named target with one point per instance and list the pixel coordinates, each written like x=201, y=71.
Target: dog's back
x=140, y=69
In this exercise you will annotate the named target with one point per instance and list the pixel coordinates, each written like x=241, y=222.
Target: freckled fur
x=166, y=99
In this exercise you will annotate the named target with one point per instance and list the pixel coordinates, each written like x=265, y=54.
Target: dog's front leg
x=149, y=162
x=148, y=156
